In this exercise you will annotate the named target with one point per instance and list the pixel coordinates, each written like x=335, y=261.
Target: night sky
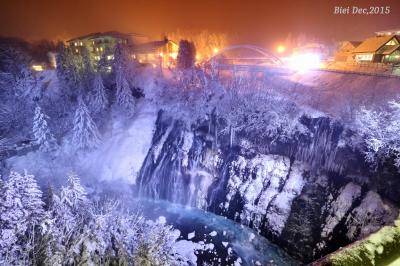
x=261, y=22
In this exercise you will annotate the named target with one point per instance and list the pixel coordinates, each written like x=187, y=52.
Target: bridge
x=245, y=57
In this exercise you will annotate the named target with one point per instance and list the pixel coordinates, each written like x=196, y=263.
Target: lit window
x=364, y=57
x=76, y=50
x=37, y=68
x=108, y=69
x=76, y=44
x=110, y=57
x=81, y=43
x=391, y=42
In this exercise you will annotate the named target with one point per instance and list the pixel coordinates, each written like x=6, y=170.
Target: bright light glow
x=216, y=50
x=161, y=54
x=198, y=57
x=173, y=55
x=109, y=57
x=280, y=49
x=37, y=67
x=304, y=61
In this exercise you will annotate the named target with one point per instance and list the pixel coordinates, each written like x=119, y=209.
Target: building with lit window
x=157, y=53
x=102, y=43
x=383, y=48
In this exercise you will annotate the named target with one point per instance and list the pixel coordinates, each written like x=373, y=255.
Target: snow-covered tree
x=86, y=136
x=379, y=129
x=64, y=223
x=98, y=97
x=41, y=132
x=67, y=70
x=74, y=195
x=124, y=97
x=21, y=211
x=25, y=85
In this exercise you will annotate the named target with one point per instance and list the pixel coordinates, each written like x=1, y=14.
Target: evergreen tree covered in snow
x=74, y=195
x=124, y=96
x=64, y=222
x=98, y=97
x=67, y=71
x=41, y=131
x=21, y=210
x=86, y=136
x=25, y=85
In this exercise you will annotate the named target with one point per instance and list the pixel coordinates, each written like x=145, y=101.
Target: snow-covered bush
x=72, y=229
x=379, y=129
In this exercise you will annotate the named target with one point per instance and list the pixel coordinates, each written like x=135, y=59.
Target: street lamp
x=280, y=49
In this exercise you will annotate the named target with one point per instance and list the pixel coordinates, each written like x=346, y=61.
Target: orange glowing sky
x=262, y=22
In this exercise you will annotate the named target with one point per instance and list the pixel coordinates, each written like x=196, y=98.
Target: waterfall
x=286, y=191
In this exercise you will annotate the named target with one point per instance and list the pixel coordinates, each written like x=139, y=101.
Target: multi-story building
x=157, y=53
x=102, y=43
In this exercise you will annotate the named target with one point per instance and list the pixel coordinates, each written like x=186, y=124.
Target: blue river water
x=232, y=243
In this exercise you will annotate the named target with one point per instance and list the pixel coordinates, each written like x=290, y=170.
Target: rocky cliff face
x=311, y=194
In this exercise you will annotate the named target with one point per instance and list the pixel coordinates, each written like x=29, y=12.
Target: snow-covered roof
x=114, y=34
x=373, y=44
x=151, y=46
x=349, y=45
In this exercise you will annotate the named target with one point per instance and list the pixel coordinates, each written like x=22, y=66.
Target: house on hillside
x=345, y=52
x=382, y=48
